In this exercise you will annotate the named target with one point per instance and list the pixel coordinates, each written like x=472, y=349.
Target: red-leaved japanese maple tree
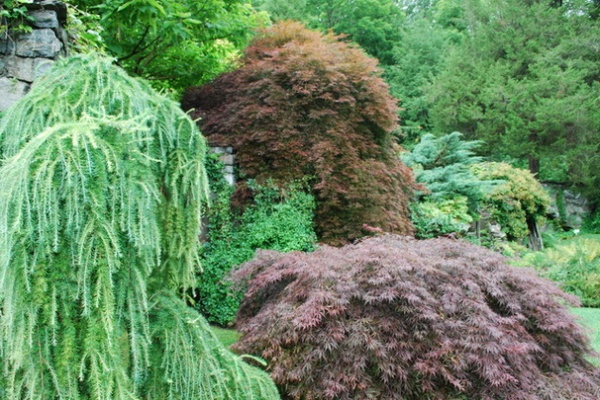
x=306, y=105
x=397, y=318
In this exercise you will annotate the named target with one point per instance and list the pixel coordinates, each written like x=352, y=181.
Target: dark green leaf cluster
x=372, y=24
x=592, y=222
x=397, y=318
x=14, y=17
x=277, y=219
x=103, y=183
x=525, y=80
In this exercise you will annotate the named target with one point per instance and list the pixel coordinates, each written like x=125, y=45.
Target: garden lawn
x=590, y=319
x=227, y=337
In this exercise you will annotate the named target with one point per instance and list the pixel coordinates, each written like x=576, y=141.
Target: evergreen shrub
x=277, y=218
x=306, y=105
x=592, y=223
x=452, y=193
x=103, y=183
x=397, y=318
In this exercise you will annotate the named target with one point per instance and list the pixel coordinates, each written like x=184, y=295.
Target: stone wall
x=568, y=207
x=228, y=158
x=25, y=56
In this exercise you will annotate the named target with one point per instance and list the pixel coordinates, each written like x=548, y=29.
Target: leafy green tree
x=307, y=106
x=417, y=59
x=175, y=44
x=525, y=81
x=515, y=204
x=102, y=190
x=431, y=30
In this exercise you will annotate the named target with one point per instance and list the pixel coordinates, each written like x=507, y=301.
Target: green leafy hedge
x=277, y=219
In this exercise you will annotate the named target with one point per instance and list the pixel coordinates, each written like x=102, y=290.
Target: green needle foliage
x=452, y=193
x=103, y=183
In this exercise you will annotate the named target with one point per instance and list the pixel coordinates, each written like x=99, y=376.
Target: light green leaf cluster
x=520, y=197
x=173, y=44
x=103, y=183
x=575, y=265
x=434, y=218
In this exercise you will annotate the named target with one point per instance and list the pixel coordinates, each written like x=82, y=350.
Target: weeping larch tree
x=103, y=183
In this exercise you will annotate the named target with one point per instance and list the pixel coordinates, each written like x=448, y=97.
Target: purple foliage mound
x=397, y=318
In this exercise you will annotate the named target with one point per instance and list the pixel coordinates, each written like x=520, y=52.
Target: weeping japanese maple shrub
x=397, y=318
x=103, y=183
x=307, y=105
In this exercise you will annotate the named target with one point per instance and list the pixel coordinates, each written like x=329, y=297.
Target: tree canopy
x=373, y=24
x=305, y=105
x=517, y=202
x=525, y=80
x=174, y=44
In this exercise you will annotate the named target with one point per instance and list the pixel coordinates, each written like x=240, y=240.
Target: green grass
x=595, y=236
x=589, y=318
x=226, y=336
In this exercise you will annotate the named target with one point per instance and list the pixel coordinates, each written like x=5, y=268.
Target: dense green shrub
x=102, y=188
x=438, y=217
x=592, y=222
x=515, y=204
x=397, y=318
x=442, y=163
x=575, y=266
x=305, y=105
x=277, y=219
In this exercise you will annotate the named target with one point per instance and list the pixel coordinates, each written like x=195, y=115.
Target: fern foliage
x=574, y=265
x=103, y=183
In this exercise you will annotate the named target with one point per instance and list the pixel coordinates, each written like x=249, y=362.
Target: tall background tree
x=525, y=80
x=307, y=106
